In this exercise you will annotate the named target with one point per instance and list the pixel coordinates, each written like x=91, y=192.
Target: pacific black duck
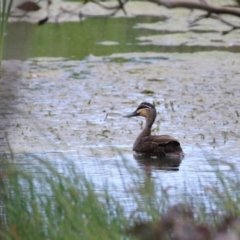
x=160, y=145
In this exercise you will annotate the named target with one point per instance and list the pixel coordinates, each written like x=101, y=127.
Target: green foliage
x=48, y=204
x=52, y=206
x=5, y=8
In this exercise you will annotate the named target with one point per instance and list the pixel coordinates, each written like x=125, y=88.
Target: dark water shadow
x=148, y=162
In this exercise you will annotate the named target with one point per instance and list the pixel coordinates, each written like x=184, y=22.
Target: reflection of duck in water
x=149, y=163
x=161, y=145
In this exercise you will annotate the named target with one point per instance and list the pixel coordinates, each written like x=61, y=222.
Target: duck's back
x=160, y=145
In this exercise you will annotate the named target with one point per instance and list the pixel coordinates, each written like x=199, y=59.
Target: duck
x=157, y=145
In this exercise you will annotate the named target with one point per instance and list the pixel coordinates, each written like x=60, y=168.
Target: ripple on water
x=60, y=116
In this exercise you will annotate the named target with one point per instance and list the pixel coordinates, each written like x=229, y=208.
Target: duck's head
x=145, y=109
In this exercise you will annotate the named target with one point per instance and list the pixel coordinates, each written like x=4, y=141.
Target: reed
x=49, y=204
x=5, y=9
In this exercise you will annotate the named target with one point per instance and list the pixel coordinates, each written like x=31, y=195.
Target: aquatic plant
x=47, y=204
x=215, y=216
x=5, y=8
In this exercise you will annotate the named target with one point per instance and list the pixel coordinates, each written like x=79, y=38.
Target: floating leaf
x=237, y=113
x=147, y=92
x=105, y=131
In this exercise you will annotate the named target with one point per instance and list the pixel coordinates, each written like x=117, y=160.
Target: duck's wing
x=162, y=144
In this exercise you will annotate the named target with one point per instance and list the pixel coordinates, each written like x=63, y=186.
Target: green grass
x=52, y=206
x=5, y=8
x=48, y=204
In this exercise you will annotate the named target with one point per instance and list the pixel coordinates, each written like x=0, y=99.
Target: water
x=66, y=103
x=102, y=37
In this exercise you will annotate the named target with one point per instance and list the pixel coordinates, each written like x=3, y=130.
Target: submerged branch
x=113, y=10
x=217, y=17
x=198, y=5
x=212, y=11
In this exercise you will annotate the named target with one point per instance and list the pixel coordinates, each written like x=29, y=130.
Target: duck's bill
x=134, y=114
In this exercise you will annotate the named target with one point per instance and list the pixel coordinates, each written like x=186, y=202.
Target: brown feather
x=162, y=145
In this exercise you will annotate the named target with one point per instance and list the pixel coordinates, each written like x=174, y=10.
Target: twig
x=233, y=26
x=199, y=18
x=212, y=11
x=114, y=9
x=217, y=17
x=200, y=6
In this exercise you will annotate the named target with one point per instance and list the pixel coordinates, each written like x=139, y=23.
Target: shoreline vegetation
x=5, y=8
x=52, y=205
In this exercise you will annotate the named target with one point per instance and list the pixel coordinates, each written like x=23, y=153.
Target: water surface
x=65, y=103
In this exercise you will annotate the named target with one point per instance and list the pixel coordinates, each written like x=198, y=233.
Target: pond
x=66, y=88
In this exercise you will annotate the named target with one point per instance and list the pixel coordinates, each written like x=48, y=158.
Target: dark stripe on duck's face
x=145, y=105
x=141, y=107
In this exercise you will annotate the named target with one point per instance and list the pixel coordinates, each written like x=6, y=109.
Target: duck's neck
x=147, y=128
